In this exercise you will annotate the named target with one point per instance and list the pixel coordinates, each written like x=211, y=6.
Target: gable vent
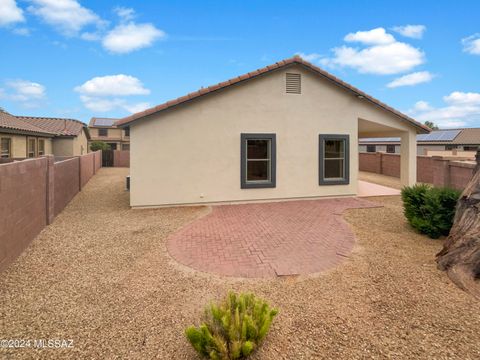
x=293, y=83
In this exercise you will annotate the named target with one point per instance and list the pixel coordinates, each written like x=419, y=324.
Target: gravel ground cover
x=101, y=275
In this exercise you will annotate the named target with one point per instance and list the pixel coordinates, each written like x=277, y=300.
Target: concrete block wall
x=87, y=168
x=23, y=206
x=67, y=182
x=121, y=158
x=390, y=164
x=460, y=174
x=439, y=171
x=32, y=193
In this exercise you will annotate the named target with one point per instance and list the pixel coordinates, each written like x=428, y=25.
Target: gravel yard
x=101, y=275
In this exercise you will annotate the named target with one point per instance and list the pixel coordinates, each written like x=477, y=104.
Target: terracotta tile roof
x=57, y=126
x=11, y=122
x=102, y=122
x=295, y=60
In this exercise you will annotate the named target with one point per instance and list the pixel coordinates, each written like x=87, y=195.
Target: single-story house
x=71, y=136
x=286, y=131
x=467, y=139
x=20, y=139
x=26, y=136
x=104, y=129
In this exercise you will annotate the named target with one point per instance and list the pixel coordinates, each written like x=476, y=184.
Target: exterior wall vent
x=293, y=83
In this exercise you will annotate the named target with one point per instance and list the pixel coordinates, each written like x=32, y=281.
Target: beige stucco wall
x=63, y=146
x=192, y=154
x=71, y=146
x=113, y=134
x=19, y=144
x=80, y=144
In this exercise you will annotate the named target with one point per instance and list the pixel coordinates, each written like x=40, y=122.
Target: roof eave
x=254, y=74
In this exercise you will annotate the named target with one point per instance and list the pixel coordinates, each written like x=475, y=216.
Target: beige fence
x=33, y=192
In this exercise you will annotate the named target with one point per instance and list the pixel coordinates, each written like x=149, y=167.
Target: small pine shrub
x=430, y=210
x=232, y=329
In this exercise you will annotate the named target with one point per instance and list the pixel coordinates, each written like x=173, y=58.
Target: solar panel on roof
x=439, y=135
x=104, y=122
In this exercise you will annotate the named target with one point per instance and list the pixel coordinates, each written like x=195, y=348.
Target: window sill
x=258, y=185
x=334, y=182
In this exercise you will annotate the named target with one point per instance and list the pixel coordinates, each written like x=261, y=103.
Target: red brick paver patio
x=267, y=239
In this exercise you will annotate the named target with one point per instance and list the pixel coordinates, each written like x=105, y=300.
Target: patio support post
x=408, y=158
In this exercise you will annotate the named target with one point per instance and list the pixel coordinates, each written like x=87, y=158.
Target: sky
x=79, y=59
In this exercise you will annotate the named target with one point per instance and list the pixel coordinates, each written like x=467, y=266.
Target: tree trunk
x=460, y=255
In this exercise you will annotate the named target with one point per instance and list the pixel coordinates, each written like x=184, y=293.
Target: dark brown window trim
x=244, y=184
x=321, y=157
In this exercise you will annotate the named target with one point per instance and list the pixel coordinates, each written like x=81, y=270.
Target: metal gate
x=107, y=158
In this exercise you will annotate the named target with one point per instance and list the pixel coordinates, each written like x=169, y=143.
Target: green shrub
x=430, y=210
x=99, y=145
x=232, y=329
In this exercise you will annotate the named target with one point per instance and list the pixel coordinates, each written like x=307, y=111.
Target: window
x=334, y=154
x=102, y=132
x=127, y=131
x=470, y=148
x=371, y=148
x=31, y=147
x=391, y=149
x=41, y=147
x=5, y=147
x=450, y=147
x=293, y=83
x=125, y=146
x=258, y=161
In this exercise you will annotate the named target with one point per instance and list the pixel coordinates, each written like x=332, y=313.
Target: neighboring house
x=104, y=129
x=286, y=131
x=26, y=136
x=71, y=136
x=438, y=140
x=21, y=139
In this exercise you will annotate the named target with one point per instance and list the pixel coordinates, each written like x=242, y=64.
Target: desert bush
x=99, y=145
x=233, y=328
x=430, y=210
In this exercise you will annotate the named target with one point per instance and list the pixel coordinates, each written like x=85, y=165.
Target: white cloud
x=107, y=93
x=309, y=57
x=386, y=59
x=134, y=108
x=471, y=44
x=24, y=90
x=125, y=38
x=10, y=13
x=113, y=85
x=462, y=109
x=21, y=31
x=102, y=105
x=381, y=54
x=124, y=13
x=462, y=98
x=68, y=16
x=28, y=93
x=376, y=36
x=411, y=79
x=421, y=106
x=411, y=31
